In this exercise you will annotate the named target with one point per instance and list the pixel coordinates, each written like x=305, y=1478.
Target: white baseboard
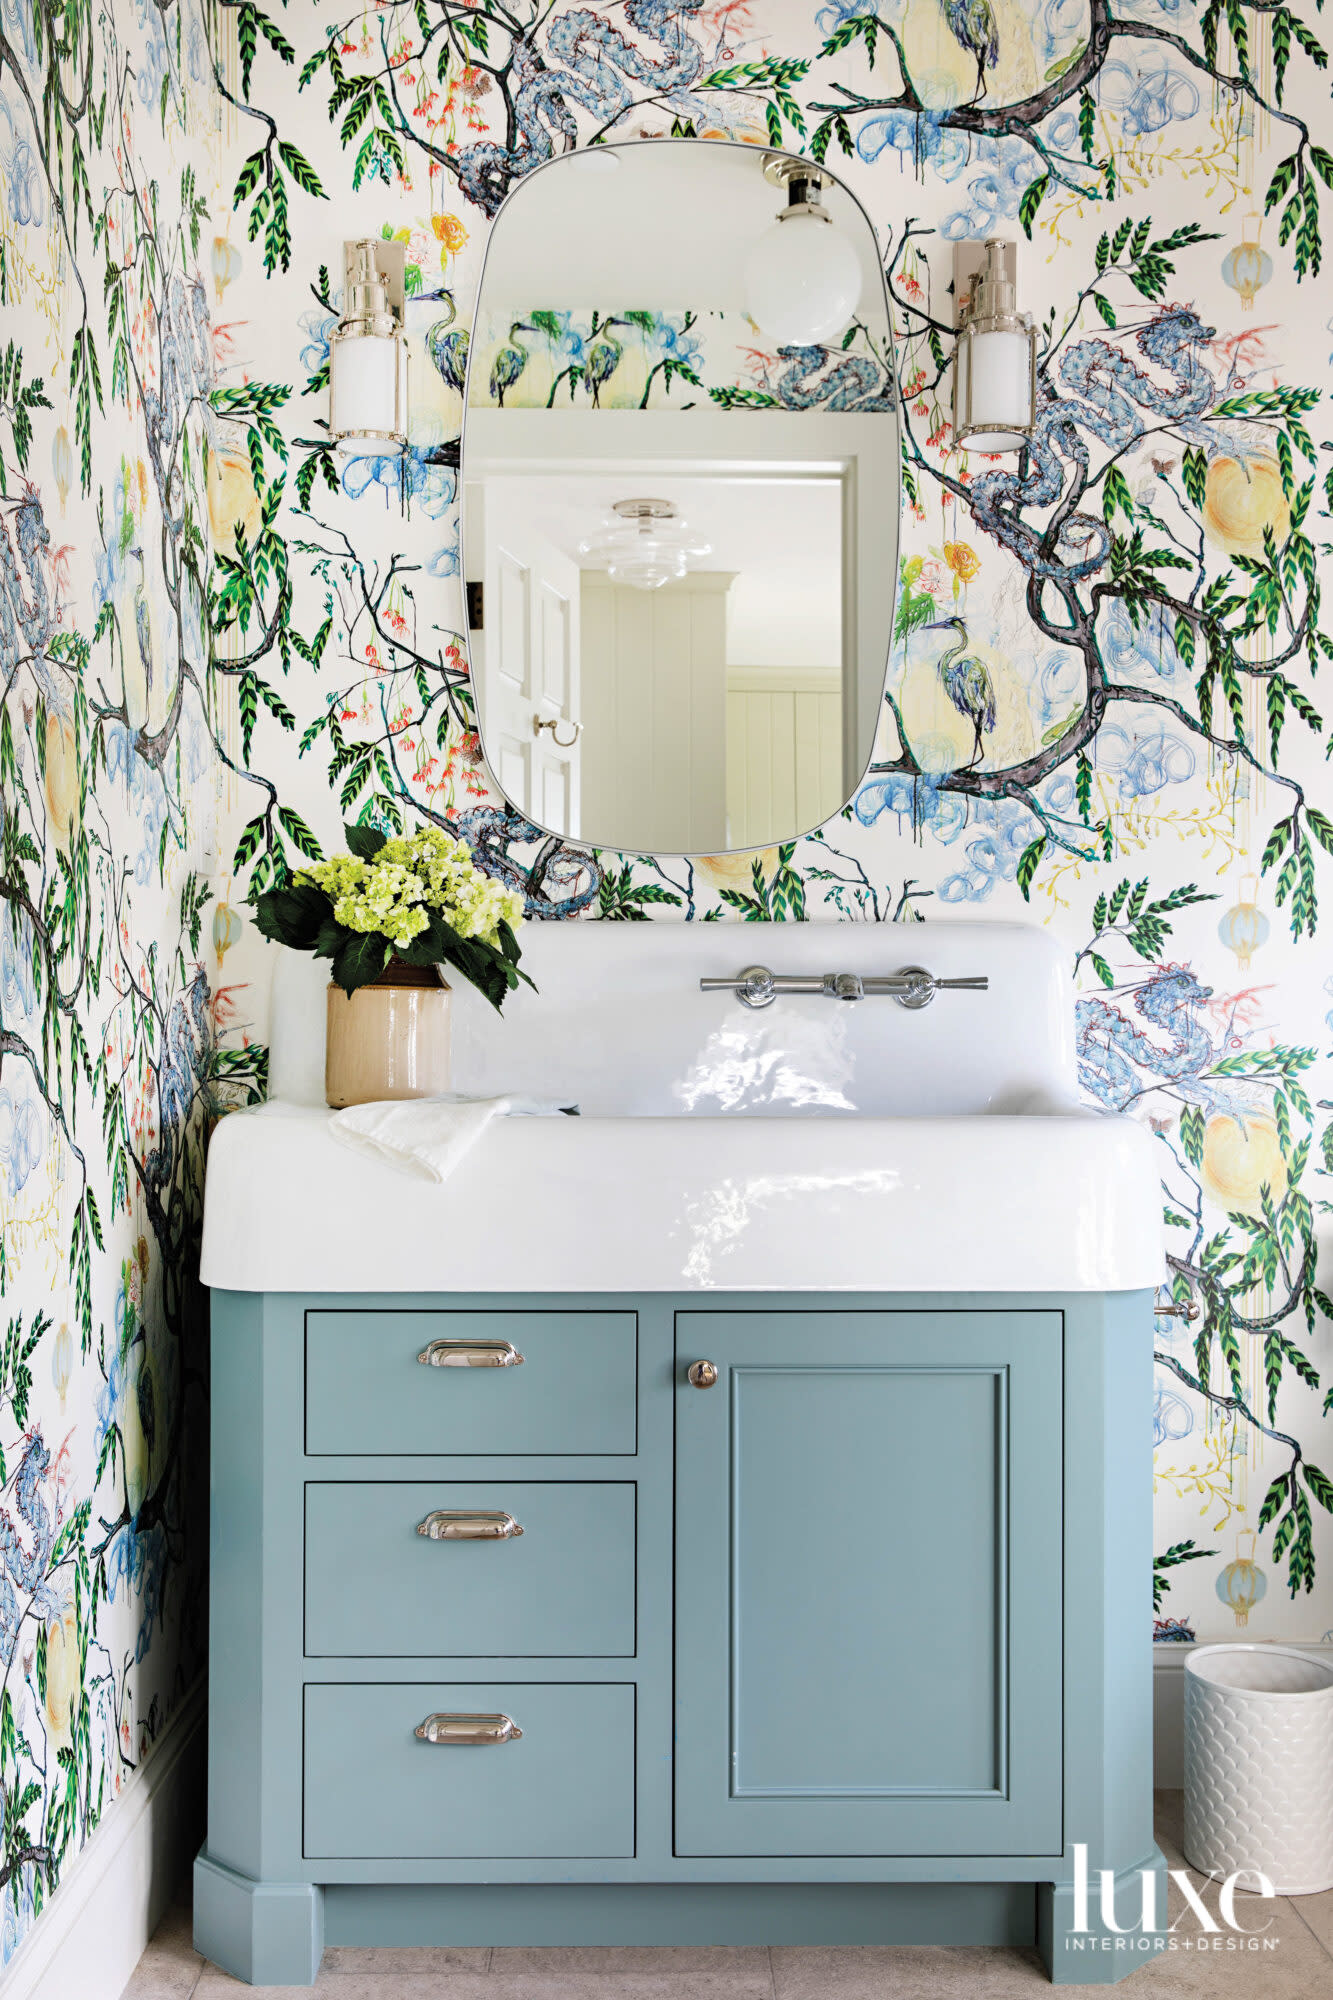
x=1168, y=1702
x=116, y=1891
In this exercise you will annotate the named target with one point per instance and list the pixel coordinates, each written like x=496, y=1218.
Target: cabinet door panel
x=868, y=1584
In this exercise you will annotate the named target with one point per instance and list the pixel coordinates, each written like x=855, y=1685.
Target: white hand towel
x=428, y=1136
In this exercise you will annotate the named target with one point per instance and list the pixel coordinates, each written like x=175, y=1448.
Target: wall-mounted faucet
x=911, y=986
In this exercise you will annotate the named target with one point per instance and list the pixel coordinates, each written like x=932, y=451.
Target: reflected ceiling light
x=803, y=277
x=368, y=353
x=645, y=543
x=995, y=360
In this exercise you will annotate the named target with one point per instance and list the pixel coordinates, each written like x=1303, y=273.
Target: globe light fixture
x=368, y=353
x=803, y=277
x=645, y=543
x=995, y=360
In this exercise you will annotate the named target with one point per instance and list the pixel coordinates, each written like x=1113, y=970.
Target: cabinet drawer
x=574, y=1393
x=564, y=1588
x=375, y=1791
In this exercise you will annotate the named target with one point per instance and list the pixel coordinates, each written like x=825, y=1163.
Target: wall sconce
x=646, y=545
x=803, y=277
x=368, y=353
x=995, y=360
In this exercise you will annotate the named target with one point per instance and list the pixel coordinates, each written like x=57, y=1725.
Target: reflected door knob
x=702, y=1374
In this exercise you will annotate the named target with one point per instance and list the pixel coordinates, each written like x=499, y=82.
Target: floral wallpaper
x=1105, y=710
x=110, y=1010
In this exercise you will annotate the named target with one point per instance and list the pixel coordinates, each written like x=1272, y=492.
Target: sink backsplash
x=620, y=1027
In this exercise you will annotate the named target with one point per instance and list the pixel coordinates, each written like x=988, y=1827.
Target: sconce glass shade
x=368, y=392
x=995, y=387
x=368, y=363
x=802, y=278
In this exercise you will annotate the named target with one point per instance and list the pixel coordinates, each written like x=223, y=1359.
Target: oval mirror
x=680, y=470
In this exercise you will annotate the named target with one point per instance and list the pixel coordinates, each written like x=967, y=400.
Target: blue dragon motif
x=601, y=65
x=1103, y=392
x=852, y=382
x=180, y=1072
x=25, y=614
x=1118, y=1063
x=560, y=882
x=23, y=1570
x=186, y=376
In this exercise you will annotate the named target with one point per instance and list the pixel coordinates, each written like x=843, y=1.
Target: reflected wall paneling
x=654, y=683
x=784, y=752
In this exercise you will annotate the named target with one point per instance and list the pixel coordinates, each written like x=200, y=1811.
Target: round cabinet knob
x=702, y=1374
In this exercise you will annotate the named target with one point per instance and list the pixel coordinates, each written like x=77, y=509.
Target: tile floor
x=1298, y=1967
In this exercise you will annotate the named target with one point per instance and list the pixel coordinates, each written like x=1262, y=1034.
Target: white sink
x=815, y=1144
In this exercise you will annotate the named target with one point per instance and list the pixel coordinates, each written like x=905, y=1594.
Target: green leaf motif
x=1027, y=864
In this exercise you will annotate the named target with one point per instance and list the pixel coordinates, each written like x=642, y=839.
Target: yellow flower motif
x=451, y=234
x=963, y=561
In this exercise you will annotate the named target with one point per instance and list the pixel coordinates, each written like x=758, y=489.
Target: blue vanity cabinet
x=868, y=1578
x=850, y=1646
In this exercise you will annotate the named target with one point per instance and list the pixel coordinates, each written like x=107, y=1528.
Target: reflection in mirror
x=680, y=531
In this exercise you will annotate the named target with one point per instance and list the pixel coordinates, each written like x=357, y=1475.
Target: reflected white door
x=530, y=670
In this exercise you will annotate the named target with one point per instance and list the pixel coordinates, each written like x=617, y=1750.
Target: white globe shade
x=802, y=281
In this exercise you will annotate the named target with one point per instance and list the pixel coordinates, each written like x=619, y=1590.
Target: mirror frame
x=760, y=153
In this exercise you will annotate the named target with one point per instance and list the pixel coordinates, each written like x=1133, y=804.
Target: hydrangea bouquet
x=421, y=899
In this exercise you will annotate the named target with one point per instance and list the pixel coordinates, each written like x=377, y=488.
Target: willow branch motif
x=563, y=79
x=100, y=1027
x=568, y=78
x=1254, y=1278
x=64, y=45
x=1294, y=185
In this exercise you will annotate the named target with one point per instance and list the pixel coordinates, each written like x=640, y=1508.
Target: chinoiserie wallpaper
x=109, y=1012
x=218, y=642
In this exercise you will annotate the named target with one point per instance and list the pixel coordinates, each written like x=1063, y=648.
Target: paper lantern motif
x=1242, y=1583
x=1248, y=267
x=1244, y=928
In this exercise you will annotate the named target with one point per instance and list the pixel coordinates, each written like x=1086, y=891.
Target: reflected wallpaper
x=630, y=359
x=1108, y=705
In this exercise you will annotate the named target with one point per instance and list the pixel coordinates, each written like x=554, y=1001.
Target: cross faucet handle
x=912, y=986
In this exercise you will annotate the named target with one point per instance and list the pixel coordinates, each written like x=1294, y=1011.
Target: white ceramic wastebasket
x=1259, y=1766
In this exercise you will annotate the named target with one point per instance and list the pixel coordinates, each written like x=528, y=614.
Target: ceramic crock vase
x=388, y=1039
